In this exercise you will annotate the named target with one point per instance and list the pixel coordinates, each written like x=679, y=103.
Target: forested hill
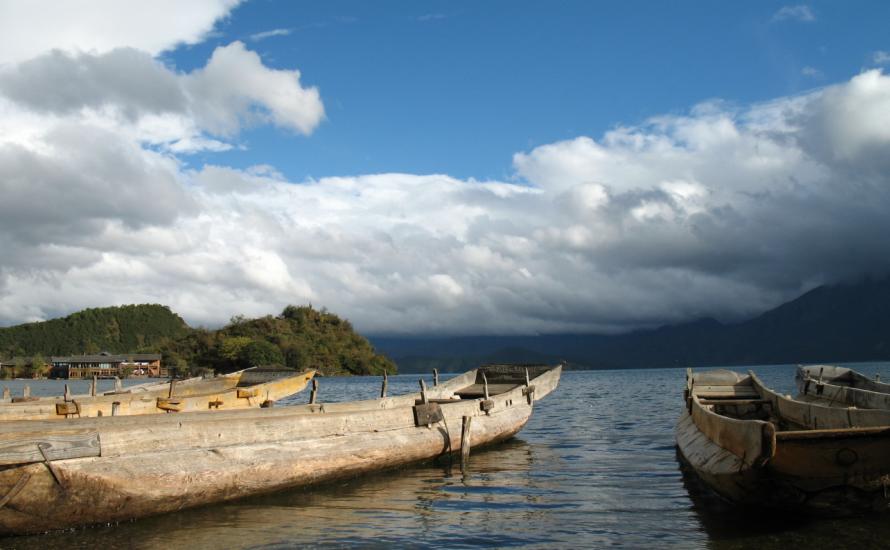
x=301, y=337
x=114, y=329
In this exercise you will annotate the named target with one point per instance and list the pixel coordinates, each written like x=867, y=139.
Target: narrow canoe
x=756, y=447
x=154, y=385
x=841, y=386
x=98, y=470
x=243, y=389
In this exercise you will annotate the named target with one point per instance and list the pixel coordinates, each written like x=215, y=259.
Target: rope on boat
x=450, y=450
x=42, y=447
x=19, y=485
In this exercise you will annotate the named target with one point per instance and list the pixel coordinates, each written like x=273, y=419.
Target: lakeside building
x=107, y=365
x=21, y=367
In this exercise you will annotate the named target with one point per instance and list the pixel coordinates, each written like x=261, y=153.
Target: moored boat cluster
x=70, y=460
x=825, y=451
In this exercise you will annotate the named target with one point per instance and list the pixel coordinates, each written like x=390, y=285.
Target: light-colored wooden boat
x=832, y=385
x=57, y=475
x=756, y=447
x=243, y=389
x=152, y=386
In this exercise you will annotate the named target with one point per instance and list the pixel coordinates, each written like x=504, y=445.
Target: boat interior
x=745, y=397
x=500, y=379
x=839, y=376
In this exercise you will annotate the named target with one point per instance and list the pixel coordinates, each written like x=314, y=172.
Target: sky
x=441, y=167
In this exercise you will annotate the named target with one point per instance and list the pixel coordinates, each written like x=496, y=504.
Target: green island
x=301, y=337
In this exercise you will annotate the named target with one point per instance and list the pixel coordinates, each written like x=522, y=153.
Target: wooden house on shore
x=107, y=365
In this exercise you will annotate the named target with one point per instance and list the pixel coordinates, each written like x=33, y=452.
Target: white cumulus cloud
x=30, y=28
x=722, y=211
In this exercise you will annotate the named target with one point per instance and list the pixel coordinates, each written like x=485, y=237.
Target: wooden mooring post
x=67, y=393
x=5, y=392
x=93, y=385
x=465, y=443
x=383, y=387
x=115, y=408
x=485, y=385
x=26, y=392
x=435, y=377
x=118, y=386
x=314, y=394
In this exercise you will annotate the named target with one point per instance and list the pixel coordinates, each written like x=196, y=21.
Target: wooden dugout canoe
x=153, y=386
x=841, y=386
x=97, y=470
x=243, y=389
x=758, y=448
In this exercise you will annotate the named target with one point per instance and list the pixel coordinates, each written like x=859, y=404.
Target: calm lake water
x=596, y=466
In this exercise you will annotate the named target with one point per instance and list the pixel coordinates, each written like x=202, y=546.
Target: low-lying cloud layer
x=724, y=211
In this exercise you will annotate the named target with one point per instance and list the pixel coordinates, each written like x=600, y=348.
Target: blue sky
x=441, y=167
x=459, y=87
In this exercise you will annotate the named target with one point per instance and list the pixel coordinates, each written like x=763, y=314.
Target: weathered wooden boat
x=119, y=388
x=243, y=389
x=58, y=475
x=756, y=447
x=841, y=386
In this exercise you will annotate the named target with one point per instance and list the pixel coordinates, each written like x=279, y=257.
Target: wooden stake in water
x=93, y=385
x=314, y=393
x=465, y=443
x=383, y=387
x=5, y=392
x=67, y=393
x=435, y=377
x=118, y=387
x=27, y=391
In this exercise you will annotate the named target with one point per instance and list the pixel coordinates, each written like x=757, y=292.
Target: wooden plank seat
x=752, y=401
x=475, y=391
x=734, y=391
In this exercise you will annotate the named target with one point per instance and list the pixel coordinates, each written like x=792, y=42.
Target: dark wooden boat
x=841, y=386
x=756, y=447
x=57, y=475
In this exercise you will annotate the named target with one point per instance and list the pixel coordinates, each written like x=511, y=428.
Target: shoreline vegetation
x=301, y=337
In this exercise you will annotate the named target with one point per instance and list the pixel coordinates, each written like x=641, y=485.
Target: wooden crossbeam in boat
x=478, y=390
x=714, y=391
x=734, y=401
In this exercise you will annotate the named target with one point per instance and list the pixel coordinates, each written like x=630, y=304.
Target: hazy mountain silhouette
x=847, y=322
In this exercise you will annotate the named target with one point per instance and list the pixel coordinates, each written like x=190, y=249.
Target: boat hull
x=818, y=472
x=199, y=458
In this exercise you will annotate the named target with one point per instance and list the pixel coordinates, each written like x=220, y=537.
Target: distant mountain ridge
x=846, y=322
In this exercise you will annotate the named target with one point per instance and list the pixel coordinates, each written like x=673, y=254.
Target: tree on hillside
x=233, y=348
x=260, y=352
x=18, y=368
x=36, y=368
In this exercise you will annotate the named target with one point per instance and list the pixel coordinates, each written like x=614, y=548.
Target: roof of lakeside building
x=107, y=358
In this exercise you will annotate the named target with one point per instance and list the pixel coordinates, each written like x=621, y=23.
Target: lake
x=596, y=466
